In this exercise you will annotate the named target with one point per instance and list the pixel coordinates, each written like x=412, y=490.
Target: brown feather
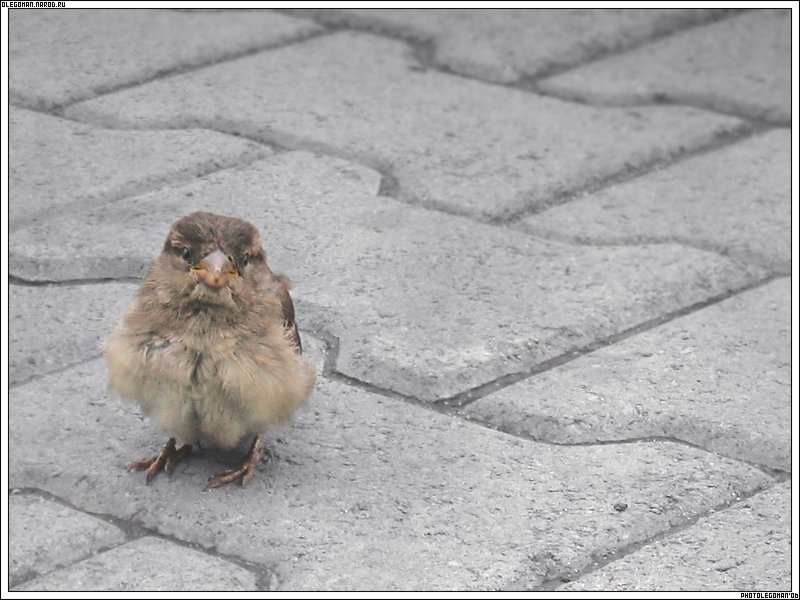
x=216, y=364
x=287, y=306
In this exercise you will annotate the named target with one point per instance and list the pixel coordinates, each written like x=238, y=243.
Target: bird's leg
x=245, y=471
x=166, y=459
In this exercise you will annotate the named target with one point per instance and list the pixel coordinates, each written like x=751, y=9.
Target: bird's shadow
x=216, y=459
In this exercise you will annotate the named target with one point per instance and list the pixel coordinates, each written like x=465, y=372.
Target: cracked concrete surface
x=552, y=335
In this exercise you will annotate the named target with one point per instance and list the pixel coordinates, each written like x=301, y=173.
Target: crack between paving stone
x=776, y=267
x=467, y=397
x=57, y=109
x=15, y=280
x=133, y=529
x=770, y=471
x=454, y=405
x=553, y=581
x=696, y=101
x=423, y=49
x=180, y=125
x=137, y=189
x=329, y=371
x=61, y=369
x=658, y=36
x=423, y=46
x=391, y=187
x=603, y=54
x=739, y=133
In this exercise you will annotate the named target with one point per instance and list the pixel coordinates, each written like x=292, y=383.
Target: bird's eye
x=245, y=259
x=185, y=252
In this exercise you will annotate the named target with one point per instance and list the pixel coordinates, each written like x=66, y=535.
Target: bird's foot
x=166, y=460
x=245, y=471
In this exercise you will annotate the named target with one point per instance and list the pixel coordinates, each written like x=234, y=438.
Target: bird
x=209, y=348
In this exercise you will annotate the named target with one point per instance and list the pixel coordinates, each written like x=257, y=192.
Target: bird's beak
x=216, y=269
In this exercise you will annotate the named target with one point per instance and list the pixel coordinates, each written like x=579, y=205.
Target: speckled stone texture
x=365, y=492
x=419, y=307
x=442, y=137
x=740, y=65
x=735, y=200
x=50, y=327
x=504, y=45
x=44, y=535
x=148, y=564
x=747, y=547
x=719, y=378
x=57, y=165
x=550, y=294
x=101, y=50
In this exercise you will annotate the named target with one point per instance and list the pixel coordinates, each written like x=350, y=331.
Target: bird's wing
x=288, y=311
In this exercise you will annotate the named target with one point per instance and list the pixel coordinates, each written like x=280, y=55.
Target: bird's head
x=211, y=260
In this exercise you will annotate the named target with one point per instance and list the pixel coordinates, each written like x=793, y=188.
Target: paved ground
x=542, y=260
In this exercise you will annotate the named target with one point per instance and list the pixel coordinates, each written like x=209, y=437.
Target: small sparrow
x=209, y=349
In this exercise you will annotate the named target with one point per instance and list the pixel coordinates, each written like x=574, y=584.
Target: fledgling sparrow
x=209, y=348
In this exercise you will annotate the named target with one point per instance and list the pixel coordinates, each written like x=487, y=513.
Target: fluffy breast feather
x=216, y=387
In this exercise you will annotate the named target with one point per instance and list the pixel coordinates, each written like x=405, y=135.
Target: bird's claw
x=246, y=471
x=166, y=460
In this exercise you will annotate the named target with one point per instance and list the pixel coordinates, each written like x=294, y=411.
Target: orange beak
x=216, y=269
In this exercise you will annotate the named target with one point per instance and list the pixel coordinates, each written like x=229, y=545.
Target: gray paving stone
x=504, y=45
x=366, y=492
x=55, y=164
x=451, y=142
x=147, y=564
x=746, y=547
x=100, y=50
x=740, y=65
x=736, y=200
x=719, y=378
x=44, y=535
x=419, y=306
x=53, y=326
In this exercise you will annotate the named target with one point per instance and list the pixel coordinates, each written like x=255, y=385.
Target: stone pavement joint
x=46, y=535
x=465, y=398
x=778, y=270
x=757, y=121
x=737, y=66
x=21, y=281
x=507, y=398
x=731, y=201
x=428, y=36
x=393, y=187
x=392, y=335
x=133, y=530
x=691, y=378
x=597, y=565
x=362, y=478
x=61, y=369
x=455, y=405
x=440, y=151
x=743, y=547
x=59, y=164
x=530, y=82
x=180, y=70
x=178, y=125
x=54, y=326
x=139, y=44
x=630, y=173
